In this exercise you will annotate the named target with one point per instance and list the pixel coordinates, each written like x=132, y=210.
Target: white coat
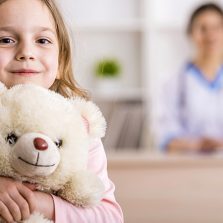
x=189, y=106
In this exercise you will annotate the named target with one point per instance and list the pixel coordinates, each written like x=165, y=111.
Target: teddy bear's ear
x=92, y=117
x=2, y=88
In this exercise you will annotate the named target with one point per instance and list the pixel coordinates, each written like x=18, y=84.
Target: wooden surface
x=153, y=188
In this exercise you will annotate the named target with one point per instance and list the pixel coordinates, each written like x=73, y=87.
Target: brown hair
x=66, y=84
x=201, y=9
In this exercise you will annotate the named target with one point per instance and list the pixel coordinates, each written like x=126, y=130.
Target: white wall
x=97, y=29
x=167, y=48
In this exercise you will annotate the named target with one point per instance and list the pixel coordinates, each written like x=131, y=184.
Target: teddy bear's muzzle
x=35, y=154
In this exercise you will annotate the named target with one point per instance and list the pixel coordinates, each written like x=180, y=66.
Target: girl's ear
x=92, y=117
x=2, y=88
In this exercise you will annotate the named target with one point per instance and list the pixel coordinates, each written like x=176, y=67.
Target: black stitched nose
x=40, y=144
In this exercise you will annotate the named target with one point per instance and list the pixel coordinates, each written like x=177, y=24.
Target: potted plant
x=107, y=72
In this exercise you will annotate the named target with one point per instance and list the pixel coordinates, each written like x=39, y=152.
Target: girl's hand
x=45, y=204
x=17, y=201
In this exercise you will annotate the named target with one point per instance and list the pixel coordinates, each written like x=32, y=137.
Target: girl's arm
x=108, y=211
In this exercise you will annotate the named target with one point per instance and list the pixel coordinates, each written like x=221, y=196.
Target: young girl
x=35, y=48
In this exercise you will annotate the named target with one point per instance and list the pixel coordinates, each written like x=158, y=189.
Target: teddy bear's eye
x=11, y=138
x=59, y=143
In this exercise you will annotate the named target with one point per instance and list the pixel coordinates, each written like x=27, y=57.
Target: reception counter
x=159, y=188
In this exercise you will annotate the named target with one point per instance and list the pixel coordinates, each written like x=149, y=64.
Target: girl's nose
x=24, y=57
x=24, y=52
x=40, y=144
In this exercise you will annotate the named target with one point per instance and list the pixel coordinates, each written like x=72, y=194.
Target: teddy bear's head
x=45, y=137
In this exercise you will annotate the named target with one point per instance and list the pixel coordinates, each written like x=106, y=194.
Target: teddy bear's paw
x=34, y=218
x=85, y=189
x=37, y=218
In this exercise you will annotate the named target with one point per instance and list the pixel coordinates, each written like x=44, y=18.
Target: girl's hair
x=201, y=9
x=66, y=84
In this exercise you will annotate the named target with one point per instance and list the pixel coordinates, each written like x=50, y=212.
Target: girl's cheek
x=5, y=57
x=2, y=63
x=53, y=64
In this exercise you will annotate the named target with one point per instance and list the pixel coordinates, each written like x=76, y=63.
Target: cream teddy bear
x=44, y=139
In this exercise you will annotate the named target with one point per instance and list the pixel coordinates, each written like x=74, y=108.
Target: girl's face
x=207, y=33
x=28, y=44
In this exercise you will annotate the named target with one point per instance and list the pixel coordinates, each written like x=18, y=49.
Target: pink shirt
x=108, y=211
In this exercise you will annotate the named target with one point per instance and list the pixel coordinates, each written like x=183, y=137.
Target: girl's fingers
x=17, y=201
x=29, y=197
x=22, y=205
x=30, y=186
x=4, y=212
x=13, y=208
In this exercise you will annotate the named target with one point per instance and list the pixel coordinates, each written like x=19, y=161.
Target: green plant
x=107, y=68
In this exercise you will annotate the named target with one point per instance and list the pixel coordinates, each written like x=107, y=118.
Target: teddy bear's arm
x=83, y=189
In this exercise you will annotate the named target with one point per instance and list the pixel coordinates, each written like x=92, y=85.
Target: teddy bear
x=44, y=140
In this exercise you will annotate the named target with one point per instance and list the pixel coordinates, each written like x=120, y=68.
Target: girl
x=191, y=118
x=35, y=48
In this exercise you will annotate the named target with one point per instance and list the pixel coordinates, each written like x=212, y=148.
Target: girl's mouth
x=25, y=72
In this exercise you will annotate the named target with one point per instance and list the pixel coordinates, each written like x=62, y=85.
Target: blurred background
x=147, y=41
x=124, y=50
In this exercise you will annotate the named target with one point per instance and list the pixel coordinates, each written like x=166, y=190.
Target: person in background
x=190, y=119
x=35, y=48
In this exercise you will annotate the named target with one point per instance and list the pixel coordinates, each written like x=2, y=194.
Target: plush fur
x=33, y=123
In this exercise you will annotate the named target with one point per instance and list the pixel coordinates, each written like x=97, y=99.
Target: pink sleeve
x=107, y=212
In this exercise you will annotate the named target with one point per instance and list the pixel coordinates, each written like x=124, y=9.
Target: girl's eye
x=59, y=143
x=43, y=41
x=11, y=138
x=6, y=40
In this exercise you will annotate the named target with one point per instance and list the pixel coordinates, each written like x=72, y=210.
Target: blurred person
x=190, y=119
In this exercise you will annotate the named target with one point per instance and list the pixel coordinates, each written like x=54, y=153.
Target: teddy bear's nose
x=40, y=144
